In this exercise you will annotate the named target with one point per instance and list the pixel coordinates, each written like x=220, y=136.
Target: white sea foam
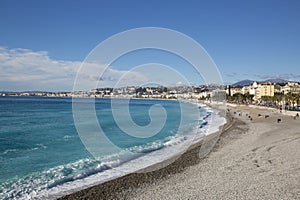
x=42, y=146
x=67, y=137
x=38, y=146
x=8, y=151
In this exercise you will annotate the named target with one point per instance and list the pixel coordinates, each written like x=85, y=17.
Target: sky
x=44, y=43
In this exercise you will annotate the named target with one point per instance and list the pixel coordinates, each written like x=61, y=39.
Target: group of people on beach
x=240, y=114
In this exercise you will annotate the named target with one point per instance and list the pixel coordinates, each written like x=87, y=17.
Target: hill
x=277, y=80
x=243, y=83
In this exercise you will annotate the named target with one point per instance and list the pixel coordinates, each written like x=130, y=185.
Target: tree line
x=289, y=101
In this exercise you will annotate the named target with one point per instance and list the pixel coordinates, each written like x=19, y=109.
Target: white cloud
x=24, y=69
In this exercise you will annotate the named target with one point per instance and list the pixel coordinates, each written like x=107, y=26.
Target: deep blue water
x=40, y=147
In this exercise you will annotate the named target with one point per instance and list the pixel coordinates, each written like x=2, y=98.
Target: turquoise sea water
x=40, y=148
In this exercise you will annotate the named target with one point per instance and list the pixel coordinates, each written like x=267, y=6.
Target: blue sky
x=246, y=39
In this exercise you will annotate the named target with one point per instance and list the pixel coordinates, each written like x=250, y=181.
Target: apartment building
x=260, y=89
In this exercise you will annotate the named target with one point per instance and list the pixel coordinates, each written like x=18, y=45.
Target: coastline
x=253, y=159
x=72, y=183
x=112, y=189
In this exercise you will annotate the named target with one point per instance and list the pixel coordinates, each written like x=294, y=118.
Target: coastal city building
x=261, y=89
x=268, y=93
x=291, y=87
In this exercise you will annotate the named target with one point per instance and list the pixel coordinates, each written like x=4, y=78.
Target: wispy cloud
x=24, y=69
x=231, y=75
x=288, y=76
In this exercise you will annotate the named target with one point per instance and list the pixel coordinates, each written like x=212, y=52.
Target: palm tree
x=278, y=98
x=248, y=97
x=298, y=99
x=291, y=99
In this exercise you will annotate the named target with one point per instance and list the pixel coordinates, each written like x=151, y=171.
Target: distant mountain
x=9, y=92
x=243, y=83
x=277, y=80
x=250, y=82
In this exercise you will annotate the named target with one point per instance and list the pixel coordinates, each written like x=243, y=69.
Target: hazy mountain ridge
x=249, y=82
x=243, y=83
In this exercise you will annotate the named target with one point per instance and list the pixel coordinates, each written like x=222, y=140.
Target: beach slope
x=256, y=158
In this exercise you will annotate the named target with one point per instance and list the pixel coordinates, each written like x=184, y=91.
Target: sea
x=42, y=155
